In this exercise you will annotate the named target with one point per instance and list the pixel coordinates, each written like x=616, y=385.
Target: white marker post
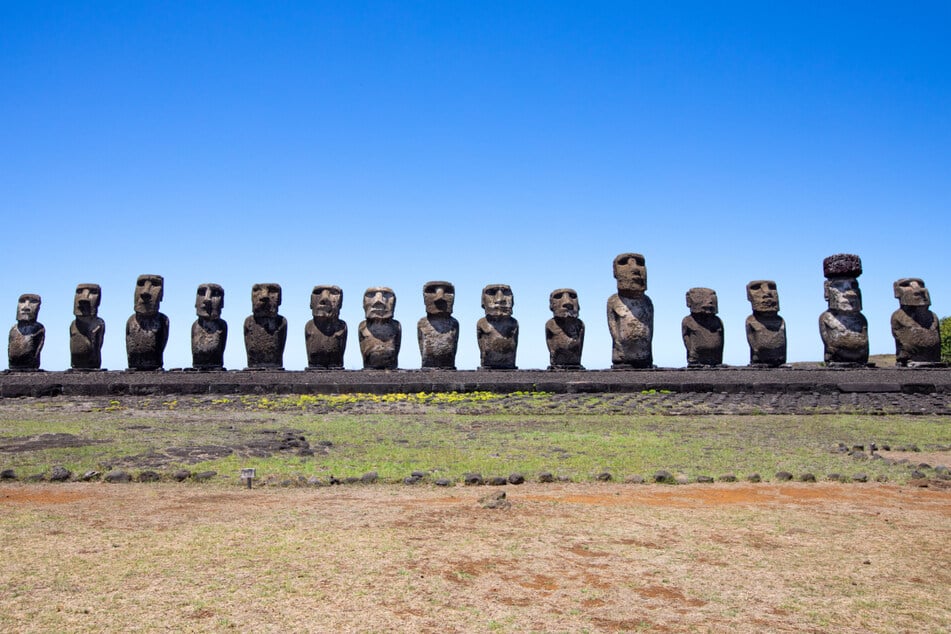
x=247, y=475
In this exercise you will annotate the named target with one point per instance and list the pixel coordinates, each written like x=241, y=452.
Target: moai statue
x=265, y=332
x=87, y=331
x=564, y=332
x=380, y=335
x=438, y=331
x=210, y=331
x=915, y=328
x=326, y=334
x=702, y=330
x=27, y=336
x=843, y=327
x=146, y=331
x=765, y=329
x=631, y=314
x=497, y=332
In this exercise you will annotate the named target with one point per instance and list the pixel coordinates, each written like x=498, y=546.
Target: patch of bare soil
x=563, y=557
x=47, y=441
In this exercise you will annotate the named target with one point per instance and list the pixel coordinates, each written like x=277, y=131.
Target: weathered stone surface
x=663, y=476
x=370, y=477
x=765, y=329
x=265, y=331
x=702, y=330
x=634, y=479
x=60, y=474
x=497, y=332
x=604, y=476
x=149, y=476
x=27, y=336
x=88, y=330
x=380, y=334
x=494, y=501
x=631, y=314
x=472, y=479
x=843, y=327
x=443, y=482
x=860, y=477
x=118, y=476
x=8, y=474
x=754, y=477
x=914, y=327
x=210, y=331
x=727, y=477
x=783, y=476
x=704, y=479
x=497, y=481
x=516, y=478
x=564, y=332
x=146, y=331
x=438, y=331
x=181, y=475
x=89, y=476
x=326, y=334
x=546, y=477
x=204, y=475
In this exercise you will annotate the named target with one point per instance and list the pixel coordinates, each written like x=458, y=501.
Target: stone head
x=911, y=291
x=326, y=301
x=763, y=296
x=265, y=299
x=439, y=298
x=702, y=301
x=379, y=302
x=630, y=271
x=28, y=307
x=563, y=303
x=149, y=290
x=497, y=300
x=209, y=300
x=86, y=301
x=843, y=294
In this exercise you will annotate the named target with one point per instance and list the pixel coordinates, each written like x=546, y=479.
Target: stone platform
x=729, y=380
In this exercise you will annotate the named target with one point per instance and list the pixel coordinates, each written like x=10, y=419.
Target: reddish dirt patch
x=40, y=496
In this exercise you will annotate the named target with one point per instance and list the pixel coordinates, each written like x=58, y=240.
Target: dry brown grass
x=565, y=557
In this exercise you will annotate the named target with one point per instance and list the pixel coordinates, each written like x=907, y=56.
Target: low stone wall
x=721, y=380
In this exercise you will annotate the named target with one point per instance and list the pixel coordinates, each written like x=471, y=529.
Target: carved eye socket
x=217, y=292
x=573, y=295
x=771, y=287
x=623, y=261
x=202, y=290
x=558, y=295
x=639, y=261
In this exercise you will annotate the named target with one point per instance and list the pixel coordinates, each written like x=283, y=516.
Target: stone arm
x=162, y=338
x=282, y=333
x=397, y=337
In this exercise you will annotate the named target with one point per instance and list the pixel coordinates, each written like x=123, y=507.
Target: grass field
x=572, y=556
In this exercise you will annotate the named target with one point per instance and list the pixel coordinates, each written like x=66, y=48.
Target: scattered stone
x=419, y=474
x=89, y=476
x=149, y=476
x=860, y=477
x=205, y=475
x=940, y=469
x=754, y=477
x=314, y=481
x=181, y=475
x=472, y=479
x=370, y=477
x=411, y=479
x=118, y=476
x=443, y=482
x=727, y=477
x=332, y=480
x=494, y=501
x=604, y=476
x=704, y=479
x=886, y=447
x=497, y=481
x=834, y=477
x=663, y=476
x=841, y=448
x=881, y=478
x=324, y=443
x=516, y=478
x=924, y=465
x=546, y=477
x=784, y=476
x=564, y=478
x=60, y=474
x=8, y=474
x=351, y=480
x=634, y=479
x=917, y=475
x=807, y=477
x=681, y=479
x=858, y=455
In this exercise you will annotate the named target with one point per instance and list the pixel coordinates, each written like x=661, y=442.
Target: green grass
x=449, y=435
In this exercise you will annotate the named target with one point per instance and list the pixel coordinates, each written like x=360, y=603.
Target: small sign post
x=247, y=475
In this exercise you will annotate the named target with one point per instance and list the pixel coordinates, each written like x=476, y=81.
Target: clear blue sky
x=392, y=143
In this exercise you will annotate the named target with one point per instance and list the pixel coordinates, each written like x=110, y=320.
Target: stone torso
x=565, y=339
x=26, y=342
x=766, y=334
x=86, y=335
x=498, y=341
x=209, y=337
x=264, y=339
x=326, y=342
x=917, y=336
x=631, y=322
x=845, y=336
x=438, y=341
x=145, y=339
x=703, y=338
x=380, y=343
